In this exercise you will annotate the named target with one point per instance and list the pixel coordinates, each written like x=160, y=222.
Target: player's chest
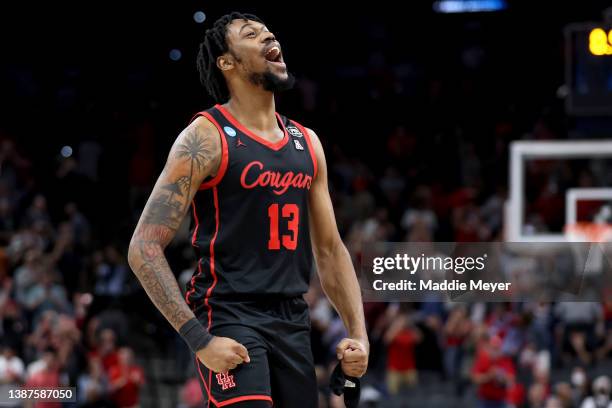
x=254, y=167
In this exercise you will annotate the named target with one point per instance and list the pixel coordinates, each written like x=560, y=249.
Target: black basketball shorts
x=276, y=333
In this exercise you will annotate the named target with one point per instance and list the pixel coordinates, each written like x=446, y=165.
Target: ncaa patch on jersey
x=298, y=145
x=231, y=132
x=294, y=131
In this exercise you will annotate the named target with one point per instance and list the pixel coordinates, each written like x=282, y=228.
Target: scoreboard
x=588, y=69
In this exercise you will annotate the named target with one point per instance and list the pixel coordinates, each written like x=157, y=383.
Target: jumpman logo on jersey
x=240, y=143
x=225, y=380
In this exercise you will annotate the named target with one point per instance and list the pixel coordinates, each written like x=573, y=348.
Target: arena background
x=416, y=110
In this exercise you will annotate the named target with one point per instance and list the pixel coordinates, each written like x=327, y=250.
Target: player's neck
x=256, y=110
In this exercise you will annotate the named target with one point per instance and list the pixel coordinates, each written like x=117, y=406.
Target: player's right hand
x=223, y=354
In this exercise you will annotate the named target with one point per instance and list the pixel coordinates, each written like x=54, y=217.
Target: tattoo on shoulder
x=196, y=148
x=168, y=205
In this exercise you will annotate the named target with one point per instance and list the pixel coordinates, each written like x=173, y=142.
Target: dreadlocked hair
x=213, y=46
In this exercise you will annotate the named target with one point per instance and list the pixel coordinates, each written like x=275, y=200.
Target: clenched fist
x=353, y=356
x=223, y=354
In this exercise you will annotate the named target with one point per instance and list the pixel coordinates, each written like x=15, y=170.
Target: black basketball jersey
x=250, y=222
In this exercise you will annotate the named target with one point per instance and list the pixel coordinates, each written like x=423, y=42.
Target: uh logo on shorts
x=225, y=380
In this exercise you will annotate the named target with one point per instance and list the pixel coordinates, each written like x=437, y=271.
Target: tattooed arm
x=195, y=155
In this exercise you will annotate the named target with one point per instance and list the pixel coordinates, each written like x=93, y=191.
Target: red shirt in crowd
x=108, y=361
x=45, y=379
x=400, y=355
x=493, y=390
x=130, y=378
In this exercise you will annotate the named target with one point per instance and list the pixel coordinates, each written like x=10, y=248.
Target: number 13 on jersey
x=289, y=213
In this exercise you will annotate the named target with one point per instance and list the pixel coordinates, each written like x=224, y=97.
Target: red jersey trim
x=245, y=398
x=207, y=387
x=193, y=279
x=313, y=156
x=224, y=154
x=197, y=224
x=210, y=388
x=274, y=146
x=193, y=243
x=212, y=257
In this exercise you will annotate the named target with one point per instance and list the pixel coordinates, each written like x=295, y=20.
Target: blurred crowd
x=417, y=144
x=505, y=354
x=50, y=273
x=65, y=300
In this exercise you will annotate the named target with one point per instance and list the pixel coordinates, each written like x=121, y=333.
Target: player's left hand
x=353, y=356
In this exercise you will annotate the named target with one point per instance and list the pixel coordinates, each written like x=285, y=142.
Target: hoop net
x=589, y=232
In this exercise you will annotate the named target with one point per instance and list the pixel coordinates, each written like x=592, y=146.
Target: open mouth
x=274, y=56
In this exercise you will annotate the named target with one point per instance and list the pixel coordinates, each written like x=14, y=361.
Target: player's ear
x=225, y=62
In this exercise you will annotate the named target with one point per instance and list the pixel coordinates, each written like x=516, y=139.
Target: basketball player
x=256, y=183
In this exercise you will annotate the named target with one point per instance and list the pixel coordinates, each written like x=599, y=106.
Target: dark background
x=83, y=71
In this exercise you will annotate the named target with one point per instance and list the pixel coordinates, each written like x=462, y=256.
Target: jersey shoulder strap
x=299, y=131
x=215, y=117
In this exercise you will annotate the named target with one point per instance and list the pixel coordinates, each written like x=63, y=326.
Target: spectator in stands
x=456, y=330
x=401, y=338
x=541, y=325
x=40, y=339
x=537, y=364
x=21, y=242
x=28, y=273
x=580, y=385
x=106, y=349
x=66, y=340
x=79, y=224
x=563, y=391
x=37, y=213
x=420, y=212
x=67, y=258
x=536, y=397
x=553, y=402
x=602, y=392
x=12, y=370
x=111, y=271
x=44, y=370
x=46, y=294
x=578, y=321
x=493, y=373
x=126, y=379
x=45, y=373
x=92, y=386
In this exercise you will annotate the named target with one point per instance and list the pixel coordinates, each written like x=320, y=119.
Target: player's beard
x=273, y=83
